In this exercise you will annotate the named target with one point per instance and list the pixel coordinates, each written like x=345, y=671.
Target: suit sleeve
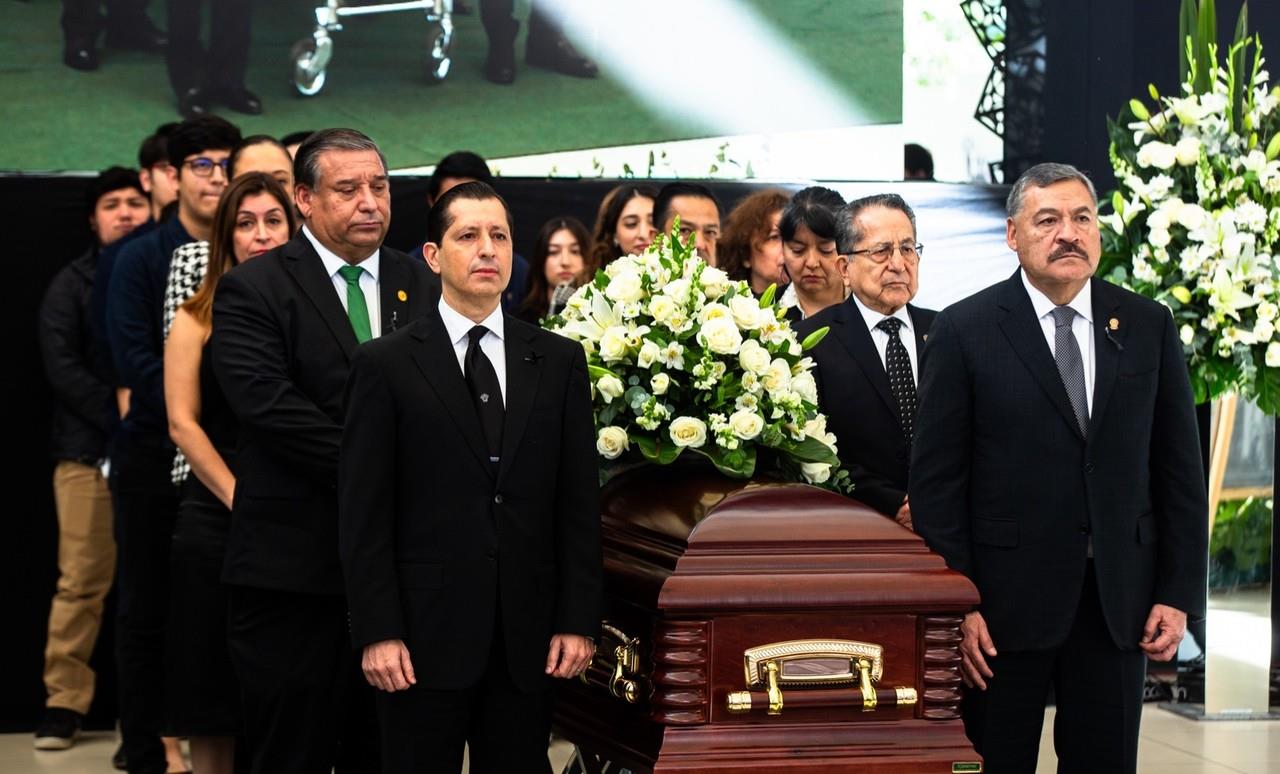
x=580, y=561
x=940, y=469
x=1177, y=484
x=366, y=506
x=250, y=361
x=64, y=351
x=133, y=313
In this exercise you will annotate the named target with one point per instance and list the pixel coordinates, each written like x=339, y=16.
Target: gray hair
x=847, y=234
x=1043, y=176
x=306, y=164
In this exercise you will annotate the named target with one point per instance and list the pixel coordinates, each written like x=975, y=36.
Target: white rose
x=1157, y=154
x=746, y=312
x=1187, y=334
x=660, y=383
x=678, y=290
x=1191, y=216
x=754, y=358
x=1159, y=237
x=815, y=472
x=778, y=378
x=610, y=387
x=625, y=287
x=1267, y=311
x=1187, y=151
x=1273, y=355
x=661, y=307
x=648, y=354
x=804, y=385
x=1255, y=162
x=613, y=344
x=1160, y=218
x=746, y=424
x=611, y=442
x=721, y=336
x=688, y=431
x=715, y=283
x=1263, y=331
x=713, y=311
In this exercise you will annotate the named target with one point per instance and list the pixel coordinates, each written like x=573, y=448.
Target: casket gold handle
x=622, y=677
x=847, y=672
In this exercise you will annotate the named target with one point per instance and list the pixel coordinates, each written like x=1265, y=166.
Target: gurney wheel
x=438, y=60
x=308, y=75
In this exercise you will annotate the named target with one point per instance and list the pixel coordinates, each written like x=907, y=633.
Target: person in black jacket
x=81, y=421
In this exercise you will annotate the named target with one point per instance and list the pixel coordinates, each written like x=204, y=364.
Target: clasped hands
x=388, y=667
x=1164, y=629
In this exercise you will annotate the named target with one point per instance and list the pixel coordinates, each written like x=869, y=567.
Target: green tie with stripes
x=357, y=309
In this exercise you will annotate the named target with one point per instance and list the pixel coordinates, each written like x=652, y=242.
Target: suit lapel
x=302, y=261
x=524, y=368
x=1106, y=350
x=436, y=360
x=920, y=322
x=393, y=293
x=851, y=329
x=1024, y=333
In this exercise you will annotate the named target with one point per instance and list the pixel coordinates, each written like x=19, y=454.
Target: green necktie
x=357, y=310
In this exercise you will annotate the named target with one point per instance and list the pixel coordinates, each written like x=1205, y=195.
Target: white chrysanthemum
x=1251, y=216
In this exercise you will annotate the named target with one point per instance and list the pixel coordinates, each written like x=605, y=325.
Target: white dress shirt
x=492, y=344
x=1081, y=326
x=368, y=280
x=881, y=338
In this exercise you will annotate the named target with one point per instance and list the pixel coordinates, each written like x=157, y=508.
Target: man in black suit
x=470, y=528
x=869, y=363
x=1056, y=463
x=285, y=327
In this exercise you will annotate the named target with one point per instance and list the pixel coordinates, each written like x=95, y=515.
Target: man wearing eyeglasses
x=869, y=364
x=144, y=497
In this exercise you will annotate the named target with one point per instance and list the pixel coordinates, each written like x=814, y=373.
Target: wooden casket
x=757, y=627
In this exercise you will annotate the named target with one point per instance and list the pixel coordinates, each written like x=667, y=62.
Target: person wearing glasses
x=144, y=498
x=868, y=365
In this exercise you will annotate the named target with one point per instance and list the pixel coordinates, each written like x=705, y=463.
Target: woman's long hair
x=536, y=303
x=746, y=226
x=604, y=250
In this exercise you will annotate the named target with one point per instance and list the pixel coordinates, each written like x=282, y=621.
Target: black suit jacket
x=435, y=541
x=1006, y=488
x=281, y=349
x=853, y=391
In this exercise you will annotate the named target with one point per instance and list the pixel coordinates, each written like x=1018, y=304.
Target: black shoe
x=118, y=761
x=58, y=730
x=500, y=66
x=140, y=35
x=80, y=56
x=562, y=57
x=193, y=103
x=240, y=100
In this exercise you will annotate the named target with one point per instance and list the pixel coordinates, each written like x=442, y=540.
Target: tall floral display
x=1195, y=221
x=682, y=359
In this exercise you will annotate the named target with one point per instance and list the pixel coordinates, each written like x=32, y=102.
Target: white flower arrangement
x=1195, y=222
x=681, y=358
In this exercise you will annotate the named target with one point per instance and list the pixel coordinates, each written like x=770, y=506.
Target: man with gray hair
x=1057, y=465
x=285, y=327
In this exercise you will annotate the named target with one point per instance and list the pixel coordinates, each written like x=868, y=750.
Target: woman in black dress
x=202, y=696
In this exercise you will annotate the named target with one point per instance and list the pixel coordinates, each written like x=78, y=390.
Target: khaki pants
x=86, y=565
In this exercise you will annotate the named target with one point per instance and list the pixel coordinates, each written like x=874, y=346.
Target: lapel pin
x=403, y=296
x=1113, y=324
x=484, y=397
x=924, y=337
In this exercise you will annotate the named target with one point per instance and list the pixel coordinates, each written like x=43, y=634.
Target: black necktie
x=897, y=364
x=486, y=393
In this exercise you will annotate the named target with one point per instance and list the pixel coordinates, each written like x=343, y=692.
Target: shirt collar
x=1082, y=303
x=332, y=262
x=872, y=318
x=459, y=326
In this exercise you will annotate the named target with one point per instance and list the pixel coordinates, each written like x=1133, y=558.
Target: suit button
x=497, y=499
x=1084, y=529
x=1088, y=467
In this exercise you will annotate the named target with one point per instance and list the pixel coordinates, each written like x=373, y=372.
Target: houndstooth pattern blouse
x=186, y=271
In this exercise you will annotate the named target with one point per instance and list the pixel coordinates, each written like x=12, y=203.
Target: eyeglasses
x=203, y=167
x=910, y=253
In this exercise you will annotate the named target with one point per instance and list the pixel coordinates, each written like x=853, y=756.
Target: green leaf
x=739, y=463
x=1273, y=148
x=655, y=451
x=812, y=339
x=1242, y=24
x=1187, y=24
x=596, y=372
x=1139, y=110
x=1267, y=389
x=813, y=450
x=1207, y=36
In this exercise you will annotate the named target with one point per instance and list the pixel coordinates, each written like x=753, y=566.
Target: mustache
x=1063, y=251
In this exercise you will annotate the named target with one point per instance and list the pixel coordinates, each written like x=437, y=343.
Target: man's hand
x=1164, y=630
x=387, y=666
x=975, y=646
x=903, y=516
x=569, y=655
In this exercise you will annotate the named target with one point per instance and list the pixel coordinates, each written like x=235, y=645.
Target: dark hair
x=847, y=237
x=113, y=179
x=458, y=164
x=817, y=209
x=249, y=142
x=1042, y=176
x=917, y=162
x=306, y=164
x=439, y=219
x=747, y=224
x=222, y=257
x=662, y=205
x=535, y=301
x=201, y=134
x=604, y=250
x=296, y=138
x=155, y=149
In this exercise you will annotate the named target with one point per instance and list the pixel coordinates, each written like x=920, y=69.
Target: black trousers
x=1098, y=690
x=223, y=65
x=145, y=503
x=506, y=730
x=305, y=704
x=82, y=20
x=501, y=27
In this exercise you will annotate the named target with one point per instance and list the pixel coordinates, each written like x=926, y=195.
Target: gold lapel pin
x=1113, y=324
x=403, y=296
